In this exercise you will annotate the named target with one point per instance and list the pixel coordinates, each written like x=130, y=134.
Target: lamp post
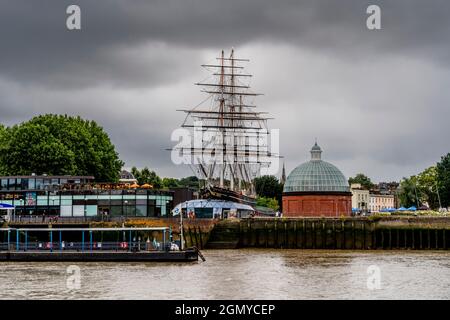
x=126, y=207
x=181, y=229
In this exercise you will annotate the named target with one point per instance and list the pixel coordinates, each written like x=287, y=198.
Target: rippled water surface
x=241, y=274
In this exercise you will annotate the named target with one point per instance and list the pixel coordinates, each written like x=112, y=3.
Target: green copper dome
x=316, y=175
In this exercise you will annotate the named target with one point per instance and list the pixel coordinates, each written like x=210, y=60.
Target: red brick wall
x=317, y=205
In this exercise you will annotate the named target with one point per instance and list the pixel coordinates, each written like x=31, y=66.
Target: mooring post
x=164, y=239
x=334, y=235
x=398, y=238
x=324, y=236
x=90, y=239
x=444, y=244
x=26, y=240
x=60, y=240
x=405, y=242
x=201, y=237
x=82, y=241
x=429, y=238
x=276, y=234
x=390, y=238
x=420, y=239
x=303, y=233
x=51, y=241
x=354, y=235
x=343, y=235
x=267, y=233
x=436, y=237
x=296, y=234
x=17, y=240
x=129, y=240
x=286, y=240
x=364, y=235
x=313, y=234
x=9, y=239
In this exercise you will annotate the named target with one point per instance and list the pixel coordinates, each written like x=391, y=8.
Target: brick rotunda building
x=316, y=188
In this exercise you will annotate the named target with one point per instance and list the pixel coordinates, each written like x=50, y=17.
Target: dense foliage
x=443, y=177
x=362, y=179
x=58, y=145
x=422, y=189
x=268, y=186
x=271, y=203
x=151, y=177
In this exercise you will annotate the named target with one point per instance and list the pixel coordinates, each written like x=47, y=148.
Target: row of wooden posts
x=194, y=237
x=337, y=235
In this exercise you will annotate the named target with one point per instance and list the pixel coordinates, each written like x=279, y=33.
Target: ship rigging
x=235, y=143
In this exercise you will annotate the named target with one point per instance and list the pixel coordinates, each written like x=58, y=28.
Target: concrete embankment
x=333, y=233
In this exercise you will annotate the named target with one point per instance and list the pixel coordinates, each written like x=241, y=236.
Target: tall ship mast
x=234, y=134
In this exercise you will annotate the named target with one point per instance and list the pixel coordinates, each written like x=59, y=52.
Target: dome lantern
x=316, y=152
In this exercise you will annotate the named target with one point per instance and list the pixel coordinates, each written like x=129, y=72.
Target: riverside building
x=80, y=196
x=316, y=188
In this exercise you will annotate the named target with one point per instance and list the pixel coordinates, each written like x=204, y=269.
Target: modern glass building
x=78, y=196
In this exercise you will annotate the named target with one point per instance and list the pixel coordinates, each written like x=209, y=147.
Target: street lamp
x=126, y=207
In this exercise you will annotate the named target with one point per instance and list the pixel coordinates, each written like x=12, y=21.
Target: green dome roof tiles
x=316, y=175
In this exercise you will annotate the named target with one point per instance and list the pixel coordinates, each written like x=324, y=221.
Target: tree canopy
x=58, y=145
x=443, y=179
x=271, y=203
x=363, y=180
x=268, y=186
x=147, y=176
x=407, y=192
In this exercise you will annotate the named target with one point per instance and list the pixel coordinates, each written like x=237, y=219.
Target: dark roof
x=48, y=177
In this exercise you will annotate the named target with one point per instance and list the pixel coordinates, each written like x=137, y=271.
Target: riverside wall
x=419, y=233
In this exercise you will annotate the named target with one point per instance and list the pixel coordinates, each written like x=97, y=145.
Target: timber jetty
x=356, y=233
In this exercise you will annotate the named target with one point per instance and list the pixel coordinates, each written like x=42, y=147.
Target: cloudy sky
x=377, y=100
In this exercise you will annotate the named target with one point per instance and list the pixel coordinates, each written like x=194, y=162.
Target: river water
x=241, y=274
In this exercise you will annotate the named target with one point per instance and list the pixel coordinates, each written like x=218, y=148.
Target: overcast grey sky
x=377, y=101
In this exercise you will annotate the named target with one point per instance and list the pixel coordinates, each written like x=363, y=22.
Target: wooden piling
x=313, y=235
x=444, y=244
x=390, y=239
x=420, y=239
x=296, y=234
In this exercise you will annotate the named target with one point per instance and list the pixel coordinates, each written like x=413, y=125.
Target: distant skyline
x=377, y=101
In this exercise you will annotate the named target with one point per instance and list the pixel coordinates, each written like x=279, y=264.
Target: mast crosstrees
x=235, y=142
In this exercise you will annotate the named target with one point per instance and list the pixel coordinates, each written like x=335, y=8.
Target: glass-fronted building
x=78, y=196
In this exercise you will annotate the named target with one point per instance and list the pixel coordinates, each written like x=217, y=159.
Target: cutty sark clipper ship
x=235, y=140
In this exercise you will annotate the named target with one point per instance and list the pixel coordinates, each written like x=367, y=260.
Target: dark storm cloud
x=37, y=47
x=378, y=98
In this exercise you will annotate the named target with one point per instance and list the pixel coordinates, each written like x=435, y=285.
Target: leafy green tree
x=443, y=179
x=59, y=145
x=147, y=176
x=271, y=203
x=427, y=187
x=191, y=182
x=363, y=180
x=268, y=186
x=407, y=192
x=170, y=183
